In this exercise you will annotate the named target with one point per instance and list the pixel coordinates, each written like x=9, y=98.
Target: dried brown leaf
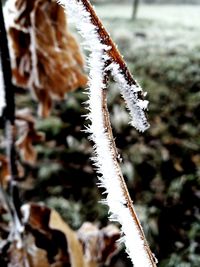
x=28, y=255
x=4, y=171
x=28, y=138
x=38, y=219
x=89, y=247
x=99, y=244
x=74, y=246
x=21, y=63
x=45, y=57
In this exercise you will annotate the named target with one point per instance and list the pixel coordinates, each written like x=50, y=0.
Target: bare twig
x=11, y=197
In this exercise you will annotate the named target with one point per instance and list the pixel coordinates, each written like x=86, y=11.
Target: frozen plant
x=105, y=60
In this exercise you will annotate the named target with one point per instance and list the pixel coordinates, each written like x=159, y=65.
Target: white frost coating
x=103, y=156
x=2, y=92
x=129, y=93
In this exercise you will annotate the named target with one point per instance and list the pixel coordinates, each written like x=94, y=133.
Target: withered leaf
x=28, y=138
x=99, y=245
x=89, y=247
x=45, y=57
x=4, y=171
x=74, y=246
x=50, y=234
x=28, y=255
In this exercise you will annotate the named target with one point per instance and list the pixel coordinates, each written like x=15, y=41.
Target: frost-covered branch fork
x=87, y=21
x=105, y=59
x=130, y=89
x=113, y=54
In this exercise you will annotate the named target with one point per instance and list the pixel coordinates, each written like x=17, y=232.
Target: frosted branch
x=104, y=59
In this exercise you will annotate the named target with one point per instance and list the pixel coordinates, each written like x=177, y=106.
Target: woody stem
x=9, y=118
